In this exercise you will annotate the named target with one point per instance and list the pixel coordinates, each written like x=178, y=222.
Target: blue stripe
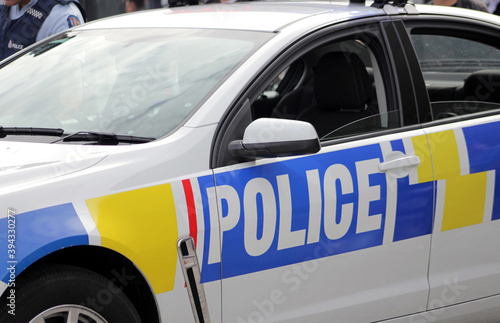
x=483, y=145
x=39, y=233
x=414, y=210
x=413, y=214
x=235, y=259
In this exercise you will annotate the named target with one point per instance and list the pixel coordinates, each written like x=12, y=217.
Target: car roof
x=254, y=16
x=270, y=16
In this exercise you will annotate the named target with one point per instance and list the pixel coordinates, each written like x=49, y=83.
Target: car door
x=343, y=233
x=460, y=62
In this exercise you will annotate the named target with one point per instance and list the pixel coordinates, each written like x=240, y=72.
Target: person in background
x=134, y=5
x=24, y=22
x=468, y=4
x=494, y=7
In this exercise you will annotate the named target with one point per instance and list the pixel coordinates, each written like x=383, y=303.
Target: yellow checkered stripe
x=141, y=225
x=461, y=198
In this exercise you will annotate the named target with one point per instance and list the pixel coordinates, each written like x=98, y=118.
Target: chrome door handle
x=407, y=161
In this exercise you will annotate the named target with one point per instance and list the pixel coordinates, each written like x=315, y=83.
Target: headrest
x=341, y=82
x=483, y=85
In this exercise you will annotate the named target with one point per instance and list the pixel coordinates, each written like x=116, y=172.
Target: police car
x=254, y=162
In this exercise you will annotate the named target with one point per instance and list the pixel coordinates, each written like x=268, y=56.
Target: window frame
x=236, y=118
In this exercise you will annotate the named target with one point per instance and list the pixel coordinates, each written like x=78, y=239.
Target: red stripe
x=193, y=226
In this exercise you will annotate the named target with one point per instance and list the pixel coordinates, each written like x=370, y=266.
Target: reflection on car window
x=462, y=76
x=273, y=86
x=128, y=82
x=366, y=125
x=438, y=53
x=341, y=92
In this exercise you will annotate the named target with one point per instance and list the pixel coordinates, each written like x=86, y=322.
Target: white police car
x=254, y=162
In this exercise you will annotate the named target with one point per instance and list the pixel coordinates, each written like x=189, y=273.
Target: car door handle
x=407, y=161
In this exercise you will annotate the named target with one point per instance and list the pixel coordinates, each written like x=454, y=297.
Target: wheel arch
x=114, y=267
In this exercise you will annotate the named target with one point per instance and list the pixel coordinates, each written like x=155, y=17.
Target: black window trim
x=411, y=84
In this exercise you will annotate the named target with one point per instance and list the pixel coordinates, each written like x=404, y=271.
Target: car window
x=128, y=82
x=462, y=75
x=341, y=93
x=365, y=125
x=441, y=53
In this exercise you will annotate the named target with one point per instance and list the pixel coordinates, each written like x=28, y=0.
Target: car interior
x=462, y=72
x=338, y=88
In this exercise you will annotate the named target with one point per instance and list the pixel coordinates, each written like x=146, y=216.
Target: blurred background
x=99, y=9
x=103, y=8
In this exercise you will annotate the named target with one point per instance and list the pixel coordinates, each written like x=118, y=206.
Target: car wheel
x=65, y=294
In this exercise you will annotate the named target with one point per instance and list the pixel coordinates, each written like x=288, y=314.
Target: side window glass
x=341, y=91
x=268, y=99
x=275, y=84
x=367, y=124
x=462, y=76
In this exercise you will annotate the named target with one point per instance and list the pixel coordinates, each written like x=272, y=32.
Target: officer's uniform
x=37, y=20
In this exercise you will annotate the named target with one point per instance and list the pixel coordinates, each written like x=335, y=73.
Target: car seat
x=343, y=92
x=483, y=85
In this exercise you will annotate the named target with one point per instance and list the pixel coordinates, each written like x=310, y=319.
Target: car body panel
x=271, y=16
x=310, y=259
x=25, y=162
x=47, y=223
x=465, y=167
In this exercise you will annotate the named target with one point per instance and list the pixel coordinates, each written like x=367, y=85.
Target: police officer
x=134, y=5
x=468, y=4
x=24, y=22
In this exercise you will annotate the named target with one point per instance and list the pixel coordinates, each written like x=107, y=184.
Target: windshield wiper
x=104, y=138
x=29, y=131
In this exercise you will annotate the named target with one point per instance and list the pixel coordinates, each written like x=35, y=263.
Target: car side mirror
x=267, y=137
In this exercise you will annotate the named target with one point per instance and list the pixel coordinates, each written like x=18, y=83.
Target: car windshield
x=129, y=82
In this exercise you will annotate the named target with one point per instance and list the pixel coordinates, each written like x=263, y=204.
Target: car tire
x=57, y=293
